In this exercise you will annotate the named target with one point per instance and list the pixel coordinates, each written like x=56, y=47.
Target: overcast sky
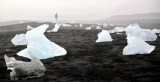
x=73, y=9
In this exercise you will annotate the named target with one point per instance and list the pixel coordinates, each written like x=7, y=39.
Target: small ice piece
x=40, y=46
x=105, y=25
x=73, y=22
x=111, y=24
x=88, y=28
x=137, y=46
x=24, y=70
x=119, y=29
x=111, y=31
x=99, y=24
x=55, y=29
x=29, y=27
x=98, y=27
x=76, y=25
x=66, y=25
x=156, y=30
x=104, y=36
x=19, y=39
x=147, y=30
x=119, y=33
x=80, y=25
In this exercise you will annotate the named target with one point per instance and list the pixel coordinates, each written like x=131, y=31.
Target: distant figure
x=56, y=16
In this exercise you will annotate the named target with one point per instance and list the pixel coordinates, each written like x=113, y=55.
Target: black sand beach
x=87, y=61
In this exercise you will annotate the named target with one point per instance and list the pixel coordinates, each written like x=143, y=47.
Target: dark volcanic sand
x=87, y=61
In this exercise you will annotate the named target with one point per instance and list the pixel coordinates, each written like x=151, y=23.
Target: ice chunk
x=104, y=36
x=156, y=31
x=105, y=25
x=10, y=61
x=99, y=24
x=19, y=39
x=111, y=24
x=56, y=28
x=119, y=29
x=145, y=34
x=24, y=70
x=76, y=25
x=81, y=25
x=148, y=35
x=137, y=46
x=40, y=46
x=88, y=28
x=146, y=30
x=66, y=25
x=73, y=22
x=119, y=33
x=29, y=27
x=111, y=31
x=133, y=29
x=98, y=27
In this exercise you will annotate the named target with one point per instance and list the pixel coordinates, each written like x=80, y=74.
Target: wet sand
x=87, y=61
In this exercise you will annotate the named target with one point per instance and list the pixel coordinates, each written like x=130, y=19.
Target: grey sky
x=73, y=9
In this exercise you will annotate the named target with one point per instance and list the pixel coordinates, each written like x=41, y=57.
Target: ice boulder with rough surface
x=133, y=29
x=137, y=46
x=40, y=46
x=148, y=35
x=145, y=34
x=24, y=70
x=104, y=36
x=19, y=39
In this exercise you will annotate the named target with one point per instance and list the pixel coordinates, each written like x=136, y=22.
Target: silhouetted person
x=56, y=16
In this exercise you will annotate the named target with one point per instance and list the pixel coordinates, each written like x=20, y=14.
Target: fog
x=73, y=9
